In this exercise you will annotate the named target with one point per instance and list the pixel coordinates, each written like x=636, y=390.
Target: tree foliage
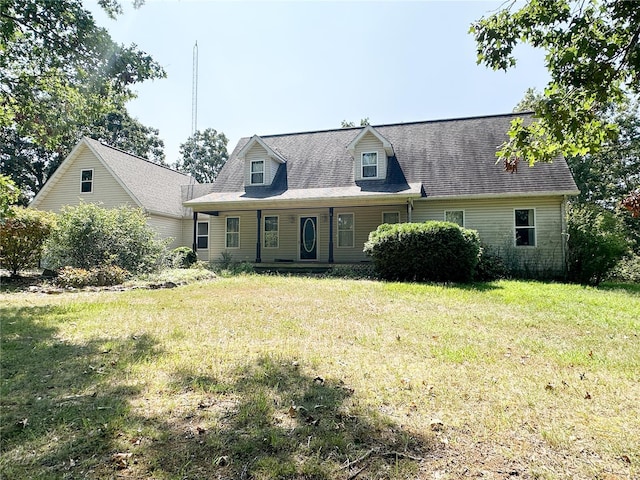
x=203, y=155
x=9, y=194
x=597, y=241
x=60, y=73
x=593, y=56
x=88, y=236
x=363, y=123
x=22, y=236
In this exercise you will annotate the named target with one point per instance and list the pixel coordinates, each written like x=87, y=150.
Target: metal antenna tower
x=194, y=91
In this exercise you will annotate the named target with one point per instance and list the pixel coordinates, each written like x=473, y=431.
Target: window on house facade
x=370, y=165
x=86, y=181
x=525, y=227
x=202, y=235
x=390, y=217
x=257, y=172
x=270, y=232
x=345, y=230
x=454, y=216
x=232, y=233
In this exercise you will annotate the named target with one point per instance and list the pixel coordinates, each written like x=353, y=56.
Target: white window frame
x=352, y=230
x=227, y=233
x=531, y=227
x=199, y=235
x=252, y=173
x=264, y=231
x=457, y=210
x=391, y=212
x=90, y=182
x=362, y=165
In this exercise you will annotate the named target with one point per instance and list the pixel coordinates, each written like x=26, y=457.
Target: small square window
x=370, y=165
x=454, y=216
x=257, y=172
x=525, y=228
x=390, y=217
x=86, y=181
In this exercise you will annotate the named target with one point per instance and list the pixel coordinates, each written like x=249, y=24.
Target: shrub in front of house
x=88, y=236
x=182, y=257
x=430, y=251
x=597, y=242
x=95, y=277
x=23, y=232
x=491, y=265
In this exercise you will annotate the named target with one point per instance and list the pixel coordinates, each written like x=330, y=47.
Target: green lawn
x=282, y=377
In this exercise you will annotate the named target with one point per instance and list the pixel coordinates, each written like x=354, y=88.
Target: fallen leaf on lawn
x=549, y=386
x=319, y=380
x=587, y=396
x=121, y=459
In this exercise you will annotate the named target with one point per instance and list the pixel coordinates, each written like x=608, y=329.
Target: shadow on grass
x=63, y=403
x=276, y=422
x=632, y=288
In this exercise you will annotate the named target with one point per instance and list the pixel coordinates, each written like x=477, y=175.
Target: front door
x=308, y=238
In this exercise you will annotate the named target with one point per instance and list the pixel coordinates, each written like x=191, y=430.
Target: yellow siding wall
x=366, y=219
x=494, y=221
x=167, y=227
x=66, y=191
x=370, y=143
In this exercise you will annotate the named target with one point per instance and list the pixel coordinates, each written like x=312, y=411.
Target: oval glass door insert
x=309, y=235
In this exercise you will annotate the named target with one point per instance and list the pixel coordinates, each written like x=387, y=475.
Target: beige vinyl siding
x=370, y=143
x=257, y=152
x=186, y=237
x=366, y=219
x=494, y=221
x=167, y=227
x=66, y=191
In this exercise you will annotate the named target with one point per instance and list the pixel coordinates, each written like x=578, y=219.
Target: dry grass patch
x=280, y=377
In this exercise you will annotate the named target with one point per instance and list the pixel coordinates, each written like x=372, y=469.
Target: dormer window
x=369, y=164
x=257, y=172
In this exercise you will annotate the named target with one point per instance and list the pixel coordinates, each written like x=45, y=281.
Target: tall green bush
x=90, y=236
x=23, y=232
x=597, y=242
x=430, y=251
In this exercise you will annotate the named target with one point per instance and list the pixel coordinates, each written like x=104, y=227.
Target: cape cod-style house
x=313, y=197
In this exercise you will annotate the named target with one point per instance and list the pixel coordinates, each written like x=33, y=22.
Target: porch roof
x=292, y=197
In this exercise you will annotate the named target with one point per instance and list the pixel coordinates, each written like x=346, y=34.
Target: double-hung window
x=257, y=172
x=370, y=165
x=232, y=233
x=270, y=231
x=202, y=237
x=454, y=216
x=525, y=227
x=86, y=181
x=345, y=230
x=390, y=217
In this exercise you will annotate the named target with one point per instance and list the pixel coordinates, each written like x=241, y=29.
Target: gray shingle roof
x=157, y=188
x=450, y=158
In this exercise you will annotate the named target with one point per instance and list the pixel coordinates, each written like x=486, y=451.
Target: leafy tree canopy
x=60, y=74
x=9, y=195
x=203, y=155
x=363, y=123
x=593, y=56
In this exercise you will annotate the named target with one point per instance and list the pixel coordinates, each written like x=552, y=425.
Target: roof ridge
x=139, y=157
x=417, y=122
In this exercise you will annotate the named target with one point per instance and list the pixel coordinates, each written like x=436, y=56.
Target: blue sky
x=279, y=67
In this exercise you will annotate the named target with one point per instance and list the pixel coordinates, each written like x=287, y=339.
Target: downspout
x=564, y=235
x=409, y=210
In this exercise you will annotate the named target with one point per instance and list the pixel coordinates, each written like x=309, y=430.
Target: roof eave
x=550, y=193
